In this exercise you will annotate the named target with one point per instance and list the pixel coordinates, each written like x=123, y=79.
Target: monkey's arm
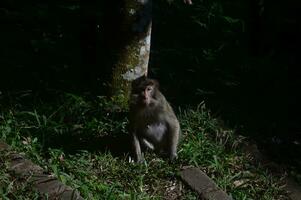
x=137, y=148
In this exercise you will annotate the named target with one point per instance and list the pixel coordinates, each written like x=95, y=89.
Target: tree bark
x=130, y=43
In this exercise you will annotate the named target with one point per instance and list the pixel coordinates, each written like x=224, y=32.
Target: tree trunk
x=129, y=42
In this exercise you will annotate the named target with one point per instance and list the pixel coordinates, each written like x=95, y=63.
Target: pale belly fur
x=154, y=134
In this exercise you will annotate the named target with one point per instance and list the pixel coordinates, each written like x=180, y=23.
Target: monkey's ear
x=154, y=83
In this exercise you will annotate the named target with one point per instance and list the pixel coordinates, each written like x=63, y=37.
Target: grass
x=84, y=143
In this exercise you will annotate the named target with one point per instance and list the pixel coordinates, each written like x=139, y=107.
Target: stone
x=20, y=166
x=47, y=184
x=203, y=185
x=44, y=184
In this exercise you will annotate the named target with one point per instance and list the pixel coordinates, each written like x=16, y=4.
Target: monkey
x=152, y=121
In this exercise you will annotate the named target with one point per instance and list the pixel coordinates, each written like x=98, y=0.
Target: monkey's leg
x=137, y=148
x=147, y=144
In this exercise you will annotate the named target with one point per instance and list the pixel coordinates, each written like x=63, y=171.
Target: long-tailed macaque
x=153, y=123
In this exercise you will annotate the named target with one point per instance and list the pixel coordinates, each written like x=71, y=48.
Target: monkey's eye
x=149, y=88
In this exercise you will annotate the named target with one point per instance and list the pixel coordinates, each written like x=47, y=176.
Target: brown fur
x=153, y=123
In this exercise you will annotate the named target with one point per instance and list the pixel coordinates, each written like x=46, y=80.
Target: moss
x=128, y=55
x=128, y=58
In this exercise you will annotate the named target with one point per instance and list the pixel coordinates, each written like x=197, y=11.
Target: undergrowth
x=85, y=144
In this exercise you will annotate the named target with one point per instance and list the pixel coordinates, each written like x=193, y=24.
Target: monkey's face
x=144, y=91
x=147, y=94
x=144, y=94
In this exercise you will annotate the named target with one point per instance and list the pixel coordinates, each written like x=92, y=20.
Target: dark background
x=234, y=55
